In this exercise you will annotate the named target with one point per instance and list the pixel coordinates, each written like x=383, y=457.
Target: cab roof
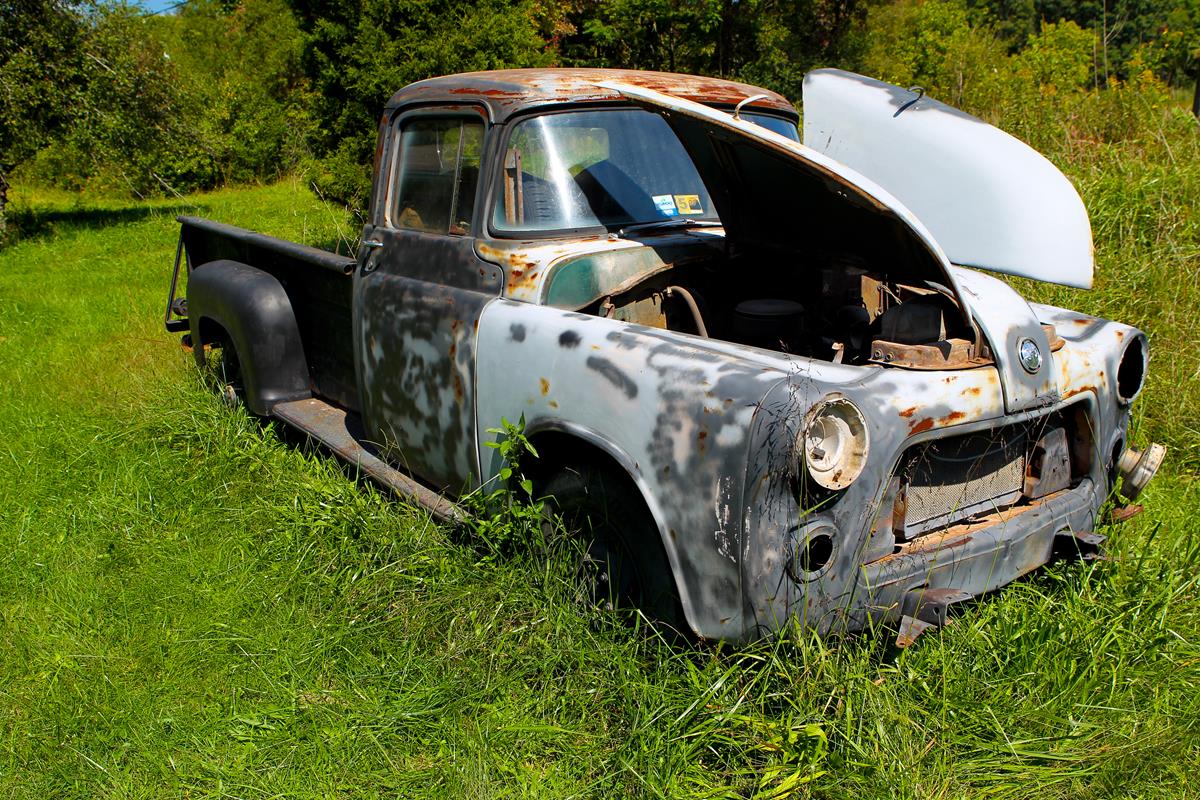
x=509, y=91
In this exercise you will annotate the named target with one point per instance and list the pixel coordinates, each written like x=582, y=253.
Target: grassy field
x=189, y=607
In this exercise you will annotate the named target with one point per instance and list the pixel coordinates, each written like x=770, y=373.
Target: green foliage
x=935, y=46
x=127, y=123
x=507, y=515
x=791, y=37
x=768, y=42
x=168, y=104
x=40, y=65
x=248, y=98
x=359, y=54
x=1059, y=57
x=1175, y=51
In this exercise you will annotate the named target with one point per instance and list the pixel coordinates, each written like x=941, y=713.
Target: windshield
x=603, y=168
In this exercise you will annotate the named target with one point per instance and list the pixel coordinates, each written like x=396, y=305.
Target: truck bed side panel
x=317, y=282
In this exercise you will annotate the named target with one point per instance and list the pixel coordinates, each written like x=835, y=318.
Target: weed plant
x=190, y=606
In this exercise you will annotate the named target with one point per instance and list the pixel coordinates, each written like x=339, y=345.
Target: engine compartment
x=838, y=311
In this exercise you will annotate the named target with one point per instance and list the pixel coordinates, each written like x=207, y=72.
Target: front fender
x=674, y=409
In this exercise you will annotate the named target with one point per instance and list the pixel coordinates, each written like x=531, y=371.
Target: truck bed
x=318, y=283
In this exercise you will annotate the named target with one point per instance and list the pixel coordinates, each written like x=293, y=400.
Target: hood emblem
x=1030, y=355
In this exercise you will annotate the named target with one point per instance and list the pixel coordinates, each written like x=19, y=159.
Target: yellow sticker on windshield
x=688, y=204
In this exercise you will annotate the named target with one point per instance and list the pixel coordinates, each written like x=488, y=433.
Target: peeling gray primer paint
x=708, y=430
x=415, y=328
x=673, y=410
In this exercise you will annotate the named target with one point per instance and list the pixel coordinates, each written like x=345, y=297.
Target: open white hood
x=771, y=192
x=989, y=200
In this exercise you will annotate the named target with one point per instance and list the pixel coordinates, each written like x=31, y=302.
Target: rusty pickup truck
x=763, y=371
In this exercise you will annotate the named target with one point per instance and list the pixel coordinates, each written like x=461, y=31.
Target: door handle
x=369, y=262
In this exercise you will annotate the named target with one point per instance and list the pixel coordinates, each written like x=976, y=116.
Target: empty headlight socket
x=1131, y=370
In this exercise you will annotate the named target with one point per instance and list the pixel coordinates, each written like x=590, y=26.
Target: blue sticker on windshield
x=665, y=203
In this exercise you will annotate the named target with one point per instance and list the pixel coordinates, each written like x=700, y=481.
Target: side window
x=436, y=175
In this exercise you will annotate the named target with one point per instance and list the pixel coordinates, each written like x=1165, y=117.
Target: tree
x=40, y=72
x=89, y=82
x=359, y=53
x=246, y=97
x=767, y=42
x=128, y=116
x=1176, y=52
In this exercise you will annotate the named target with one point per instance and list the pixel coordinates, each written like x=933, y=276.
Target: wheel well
x=557, y=450
x=211, y=332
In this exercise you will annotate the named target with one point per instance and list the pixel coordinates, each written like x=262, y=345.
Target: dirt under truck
x=766, y=379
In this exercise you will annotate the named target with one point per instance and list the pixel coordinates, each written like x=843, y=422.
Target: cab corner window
x=437, y=172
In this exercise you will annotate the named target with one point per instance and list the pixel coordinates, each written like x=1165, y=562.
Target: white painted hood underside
x=988, y=199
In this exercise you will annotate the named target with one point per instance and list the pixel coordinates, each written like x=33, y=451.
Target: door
x=418, y=294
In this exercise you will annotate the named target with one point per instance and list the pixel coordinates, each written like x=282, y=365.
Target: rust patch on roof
x=505, y=92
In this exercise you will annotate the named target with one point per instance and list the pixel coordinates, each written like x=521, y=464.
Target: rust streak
x=920, y=426
x=545, y=386
x=908, y=412
x=1079, y=390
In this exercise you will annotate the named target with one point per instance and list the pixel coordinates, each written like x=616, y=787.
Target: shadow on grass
x=25, y=223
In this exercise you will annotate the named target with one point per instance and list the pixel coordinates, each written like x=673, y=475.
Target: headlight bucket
x=1131, y=370
x=834, y=442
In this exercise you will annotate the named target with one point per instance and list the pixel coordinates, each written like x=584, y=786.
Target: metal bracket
x=910, y=629
x=175, y=317
x=1084, y=545
x=925, y=608
x=931, y=605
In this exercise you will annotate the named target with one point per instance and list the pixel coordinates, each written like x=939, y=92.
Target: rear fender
x=254, y=310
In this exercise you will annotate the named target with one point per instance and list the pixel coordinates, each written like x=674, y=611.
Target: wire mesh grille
x=952, y=479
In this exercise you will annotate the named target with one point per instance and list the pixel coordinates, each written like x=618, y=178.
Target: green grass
x=189, y=607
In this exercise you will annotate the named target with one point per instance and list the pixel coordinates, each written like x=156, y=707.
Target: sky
x=158, y=6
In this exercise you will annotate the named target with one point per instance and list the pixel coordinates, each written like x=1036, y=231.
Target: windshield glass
x=587, y=169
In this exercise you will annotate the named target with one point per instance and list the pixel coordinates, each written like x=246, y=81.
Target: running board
x=330, y=426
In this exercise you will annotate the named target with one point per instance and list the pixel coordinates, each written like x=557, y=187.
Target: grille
x=945, y=481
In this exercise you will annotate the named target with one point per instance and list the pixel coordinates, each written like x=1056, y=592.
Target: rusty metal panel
x=340, y=432
x=510, y=91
